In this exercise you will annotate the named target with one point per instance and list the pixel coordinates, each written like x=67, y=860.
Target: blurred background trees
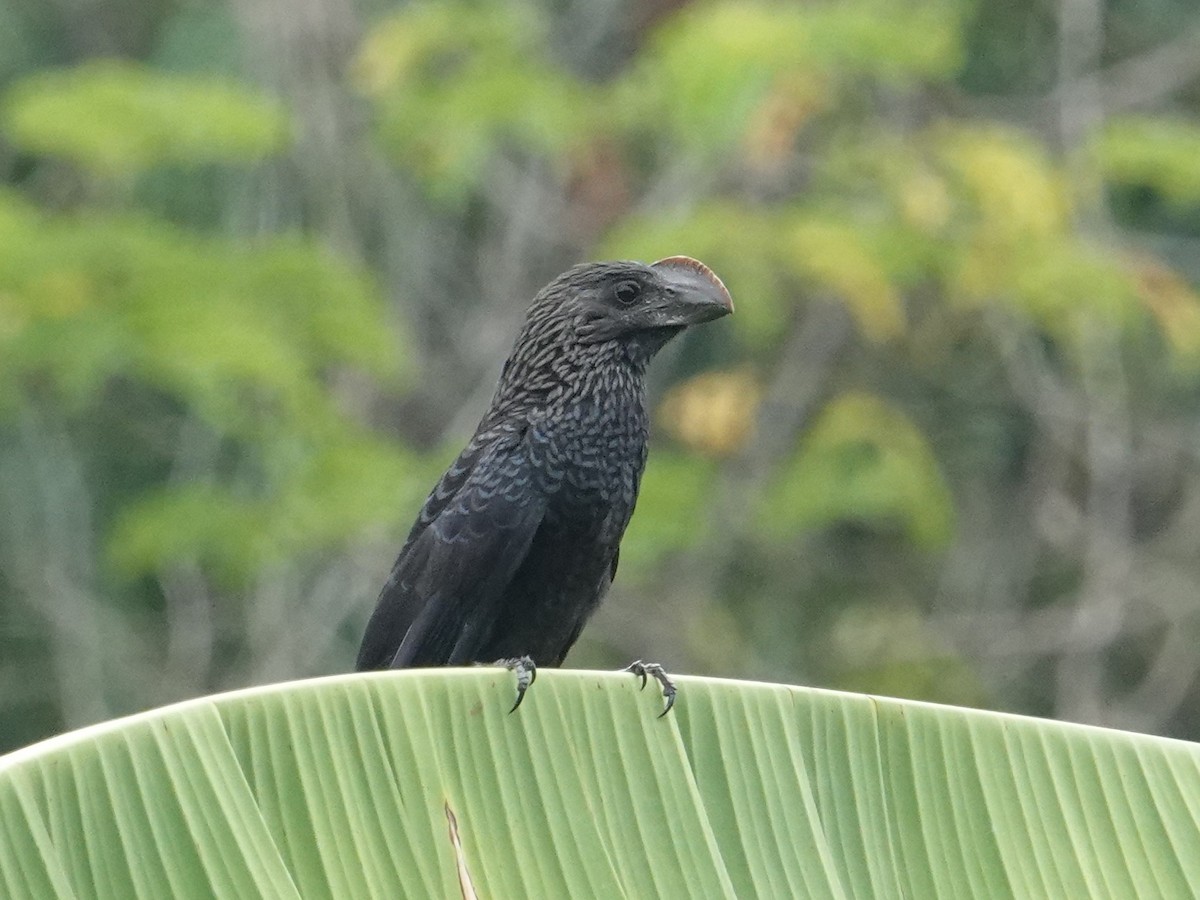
x=260, y=263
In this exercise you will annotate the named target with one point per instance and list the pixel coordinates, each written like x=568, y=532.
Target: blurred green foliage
x=454, y=81
x=119, y=118
x=862, y=462
x=670, y=511
x=714, y=75
x=240, y=335
x=316, y=493
x=193, y=315
x=1160, y=153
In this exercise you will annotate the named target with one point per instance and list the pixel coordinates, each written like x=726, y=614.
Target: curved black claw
x=646, y=670
x=525, y=670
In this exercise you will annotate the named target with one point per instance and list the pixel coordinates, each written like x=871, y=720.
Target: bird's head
x=635, y=304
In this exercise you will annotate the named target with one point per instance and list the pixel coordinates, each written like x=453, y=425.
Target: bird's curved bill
x=698, y=295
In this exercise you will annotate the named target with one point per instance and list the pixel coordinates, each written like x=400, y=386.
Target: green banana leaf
x=421, y=784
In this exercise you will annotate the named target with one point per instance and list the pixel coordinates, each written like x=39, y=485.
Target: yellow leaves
x=924, y=200
x=719, y=74
x=778, y=117
x=711, y=78
x=1015, y=192
x=862, y=461
x=1173, y=303
x=739, y=32
x=1059, y=283
x=387, y=55
x=1013, y=241
x=833, y=254
x=890, y=40
x=967, y=216
x=713, y=413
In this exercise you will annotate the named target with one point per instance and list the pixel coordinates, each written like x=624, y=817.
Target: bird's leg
x=654, y=670
x=525, y=670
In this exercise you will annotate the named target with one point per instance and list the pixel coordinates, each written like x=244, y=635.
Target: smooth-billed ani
x=517, y=544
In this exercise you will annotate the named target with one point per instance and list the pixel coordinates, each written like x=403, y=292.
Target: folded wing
x=447, y=586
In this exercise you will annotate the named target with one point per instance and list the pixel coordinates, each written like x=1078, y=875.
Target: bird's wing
x=445, y=590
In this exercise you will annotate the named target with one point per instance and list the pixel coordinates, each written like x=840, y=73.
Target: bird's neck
x=605, y=380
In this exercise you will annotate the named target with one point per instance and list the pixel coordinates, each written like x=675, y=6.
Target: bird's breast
x=592, y=453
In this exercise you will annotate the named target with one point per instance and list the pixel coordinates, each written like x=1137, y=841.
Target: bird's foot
x=645, y=670
x=525, y=670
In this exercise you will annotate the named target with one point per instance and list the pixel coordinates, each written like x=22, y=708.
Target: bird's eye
x=628, y=291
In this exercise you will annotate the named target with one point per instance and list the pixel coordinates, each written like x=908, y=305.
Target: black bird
x=517, y=544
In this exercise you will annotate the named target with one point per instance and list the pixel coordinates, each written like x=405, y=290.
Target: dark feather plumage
x=517, y=544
